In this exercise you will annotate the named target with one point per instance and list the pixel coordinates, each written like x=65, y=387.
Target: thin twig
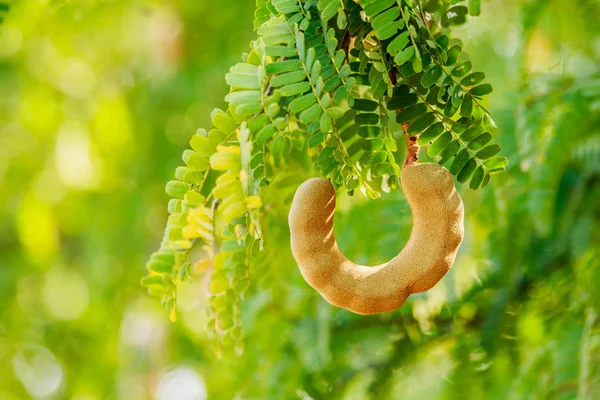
x=412, y=146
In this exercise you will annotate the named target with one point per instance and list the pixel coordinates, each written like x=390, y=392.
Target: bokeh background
x=98, y=99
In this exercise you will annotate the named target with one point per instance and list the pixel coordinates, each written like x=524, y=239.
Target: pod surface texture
x=438, y=230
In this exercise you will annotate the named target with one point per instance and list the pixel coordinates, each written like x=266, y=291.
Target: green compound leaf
x=299, y=88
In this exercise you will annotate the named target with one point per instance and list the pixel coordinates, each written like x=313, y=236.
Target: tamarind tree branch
x=412, y=145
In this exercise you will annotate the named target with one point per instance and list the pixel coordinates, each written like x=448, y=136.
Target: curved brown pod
x=437, y=233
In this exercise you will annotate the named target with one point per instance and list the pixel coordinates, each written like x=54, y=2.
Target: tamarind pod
x=437, y=233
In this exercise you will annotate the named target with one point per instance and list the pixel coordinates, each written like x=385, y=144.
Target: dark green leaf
x=467, y=170
x=407, y=71
x=459, y=162
x=361, y=79
x=449, y=152
x=471, y=133
x=329, y=166
x=473, y=79
x=369, y=131
x=466, y=109
x=432, y=96
x=439, y=144
x=482, y=90
x=486, y=180
x=411, y=113
x=462, y=69
x=477, y=178
x=403, y=101
x=462, y=124
x=432, y=6
x=450, y=110
x=432, y=75
x=325, y=154
x=456, y=16
x=460, y=10
x=431, y=133
x=453, y=54
x=488, y=152
x=401, y=90
x=367, y=119
x=480, y=141
x=421, y=123
x=457, y=97
x=364, y=105
x=355, y=150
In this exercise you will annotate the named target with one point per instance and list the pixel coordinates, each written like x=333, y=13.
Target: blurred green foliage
x=100, y=97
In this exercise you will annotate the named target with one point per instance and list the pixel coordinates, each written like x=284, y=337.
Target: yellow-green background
x=99, y=98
